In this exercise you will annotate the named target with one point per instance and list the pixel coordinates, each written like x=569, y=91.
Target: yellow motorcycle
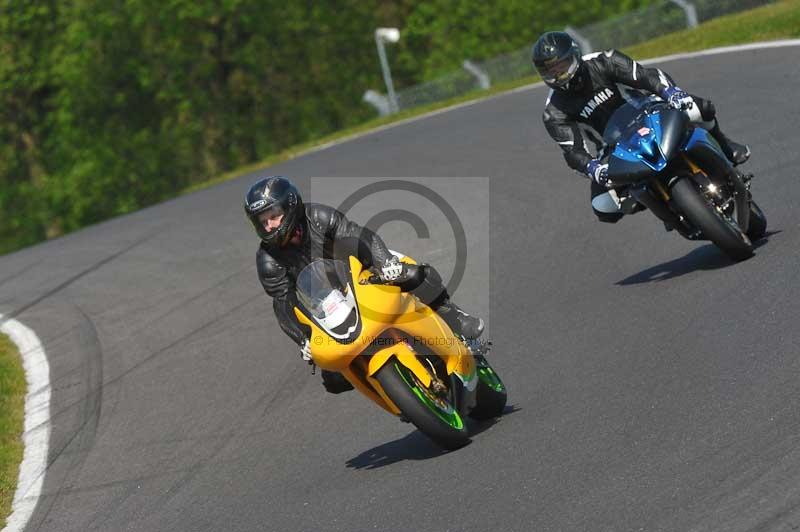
x=396, y=350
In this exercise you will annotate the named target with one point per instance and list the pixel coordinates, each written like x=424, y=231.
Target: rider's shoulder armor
x=319, y=217
x=271, y=273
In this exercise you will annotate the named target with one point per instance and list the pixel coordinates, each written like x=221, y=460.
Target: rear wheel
x=718, y=227
x=491, y=393
x=432, y=413
x=758, y=222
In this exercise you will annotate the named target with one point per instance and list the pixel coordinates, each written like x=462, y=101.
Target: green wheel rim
x=490, y=378
x=443, y=409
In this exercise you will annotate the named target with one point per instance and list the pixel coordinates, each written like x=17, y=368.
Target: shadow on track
x=707, y=257
x=415, y=446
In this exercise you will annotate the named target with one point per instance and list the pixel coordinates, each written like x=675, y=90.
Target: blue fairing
x=701, y=136
x=642, y=144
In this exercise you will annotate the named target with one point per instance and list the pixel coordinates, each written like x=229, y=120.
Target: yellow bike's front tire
x=433, y=416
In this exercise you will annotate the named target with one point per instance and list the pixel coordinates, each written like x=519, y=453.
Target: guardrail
x=658, y=19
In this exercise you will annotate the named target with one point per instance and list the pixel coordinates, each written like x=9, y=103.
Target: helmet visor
x=559, y=72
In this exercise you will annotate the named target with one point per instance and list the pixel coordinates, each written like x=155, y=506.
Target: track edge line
x=36, y=433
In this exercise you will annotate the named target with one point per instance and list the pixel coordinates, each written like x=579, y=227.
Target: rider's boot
x=459, y=321
x=735, y=152
x=334, y=382
x=433, y=293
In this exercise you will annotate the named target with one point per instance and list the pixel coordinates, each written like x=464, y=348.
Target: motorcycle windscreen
x=325, y=293
x=674, y=127
x=621, y=122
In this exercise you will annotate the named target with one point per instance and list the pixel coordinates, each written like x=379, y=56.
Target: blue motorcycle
x=680, y=173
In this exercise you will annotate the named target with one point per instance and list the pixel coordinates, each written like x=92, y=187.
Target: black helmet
x=274, y=195
x=557, y=58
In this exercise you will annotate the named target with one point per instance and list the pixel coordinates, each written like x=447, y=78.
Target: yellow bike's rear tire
x=491, y=394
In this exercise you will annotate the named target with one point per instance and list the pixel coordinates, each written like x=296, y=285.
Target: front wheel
x=431, y=413
x=715, y=225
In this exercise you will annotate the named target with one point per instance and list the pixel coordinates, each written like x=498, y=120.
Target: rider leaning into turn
x=586, y=90
x=294, y=234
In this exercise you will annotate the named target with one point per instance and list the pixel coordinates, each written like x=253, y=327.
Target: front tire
x=433, y=416
x=717, y=227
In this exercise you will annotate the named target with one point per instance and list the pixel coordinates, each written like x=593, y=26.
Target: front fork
x=703, y=149
x=458, y=373
x=654, y=196
x=462, y=376
x=740, y=196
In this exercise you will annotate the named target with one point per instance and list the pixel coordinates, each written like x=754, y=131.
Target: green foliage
x=12, y=411
x=780, y=20
x=110, y=105
x=439, y=34
x=27, y=34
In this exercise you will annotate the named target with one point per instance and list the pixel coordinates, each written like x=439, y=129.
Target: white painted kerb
x=37, y=423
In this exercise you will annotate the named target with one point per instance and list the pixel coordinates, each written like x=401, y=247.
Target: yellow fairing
x=404, y=355
x=383, y=310
x=428, y=329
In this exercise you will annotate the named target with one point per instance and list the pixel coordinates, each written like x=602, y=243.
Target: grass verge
x=12, y=412
x=780, y=20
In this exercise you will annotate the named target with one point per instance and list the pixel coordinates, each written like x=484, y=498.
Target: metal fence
x=442, y=88
x=658, y=19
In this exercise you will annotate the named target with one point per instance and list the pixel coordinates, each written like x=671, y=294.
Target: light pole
x=387, y=35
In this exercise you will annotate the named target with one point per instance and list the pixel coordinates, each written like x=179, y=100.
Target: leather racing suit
x=328, y=234
x=576, y=118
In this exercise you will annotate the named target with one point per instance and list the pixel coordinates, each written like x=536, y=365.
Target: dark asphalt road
x=653, y=382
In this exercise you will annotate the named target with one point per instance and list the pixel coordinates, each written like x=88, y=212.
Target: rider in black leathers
x=294, y=233
x=586, y=90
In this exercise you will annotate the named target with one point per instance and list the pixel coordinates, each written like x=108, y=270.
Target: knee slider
x=608, y=218
x=707, y=109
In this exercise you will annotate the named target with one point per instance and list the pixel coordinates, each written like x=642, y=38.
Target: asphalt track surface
x=653, y=383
